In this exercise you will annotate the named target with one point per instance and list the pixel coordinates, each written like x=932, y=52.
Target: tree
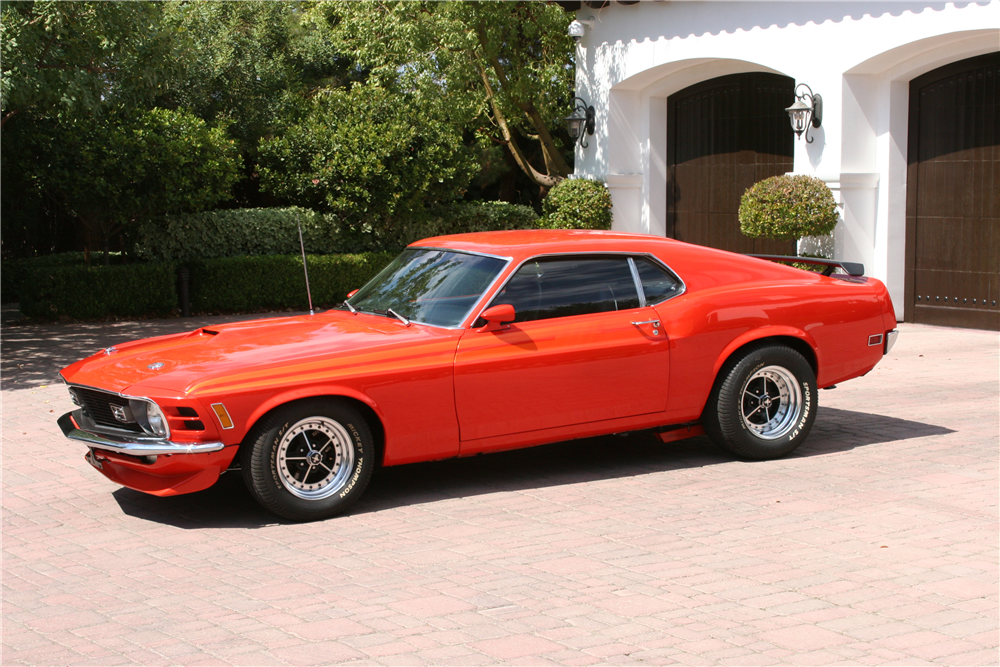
x=114, y=170
x=64, y=58
x=367, y=154
x=507, y=63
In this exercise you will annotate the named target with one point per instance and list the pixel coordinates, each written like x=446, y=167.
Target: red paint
x=440, y=393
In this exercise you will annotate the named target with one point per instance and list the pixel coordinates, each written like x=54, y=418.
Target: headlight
x=150, y=417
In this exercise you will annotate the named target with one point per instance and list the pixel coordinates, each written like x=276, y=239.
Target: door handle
x=655, y=323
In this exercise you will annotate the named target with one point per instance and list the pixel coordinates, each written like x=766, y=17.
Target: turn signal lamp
x=223, y=415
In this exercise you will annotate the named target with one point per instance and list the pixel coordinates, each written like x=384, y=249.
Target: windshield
x=430, y=286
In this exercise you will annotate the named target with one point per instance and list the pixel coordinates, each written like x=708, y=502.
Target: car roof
x=521, y=242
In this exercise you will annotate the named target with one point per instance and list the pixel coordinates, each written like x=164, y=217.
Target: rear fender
x=762, y=333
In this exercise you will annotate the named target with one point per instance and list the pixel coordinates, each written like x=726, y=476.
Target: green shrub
x=463, y=218
x=15, y=271
x=237, y=284
x=221, y=285
x=273, y=231
x=235, y=232
x=577, y=203
x=787, y=208
x=93, y=292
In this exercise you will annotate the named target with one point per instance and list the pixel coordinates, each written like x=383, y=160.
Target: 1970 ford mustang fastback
x=480, y=343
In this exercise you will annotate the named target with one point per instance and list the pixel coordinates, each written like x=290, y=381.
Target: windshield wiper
x=399, y=317
x=351, y=308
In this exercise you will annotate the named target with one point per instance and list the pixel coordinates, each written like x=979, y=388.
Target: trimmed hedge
x=234, y=233
x=224, y=285
x=577, y=203
x=276, y=281
x=787, y=208
x=94, y=292
x=273, y=231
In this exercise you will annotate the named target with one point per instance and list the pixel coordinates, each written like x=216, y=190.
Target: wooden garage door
x=953, y=196
x=724, y=135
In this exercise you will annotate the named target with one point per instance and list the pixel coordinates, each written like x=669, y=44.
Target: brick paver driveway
x=875, y=543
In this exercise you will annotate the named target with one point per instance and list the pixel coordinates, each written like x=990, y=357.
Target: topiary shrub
x=577, y=203
x=787, y=208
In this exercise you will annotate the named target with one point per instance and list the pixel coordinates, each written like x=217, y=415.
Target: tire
x=763, y=404
x=310, y=460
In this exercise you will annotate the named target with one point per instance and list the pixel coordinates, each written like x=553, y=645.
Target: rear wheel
x=764, y=404
x=310, y=460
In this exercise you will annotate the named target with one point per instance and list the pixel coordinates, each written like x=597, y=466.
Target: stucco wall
x=859, y=56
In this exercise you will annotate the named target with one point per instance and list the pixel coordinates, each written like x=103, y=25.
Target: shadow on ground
x=229, y=505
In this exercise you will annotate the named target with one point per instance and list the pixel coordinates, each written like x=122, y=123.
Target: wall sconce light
x=581, y=122
x=807, y=107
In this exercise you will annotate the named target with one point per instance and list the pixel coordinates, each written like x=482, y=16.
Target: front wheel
x=309, y=460
x=764, y=405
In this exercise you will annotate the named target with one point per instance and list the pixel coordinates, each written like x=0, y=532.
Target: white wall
x=859, y=56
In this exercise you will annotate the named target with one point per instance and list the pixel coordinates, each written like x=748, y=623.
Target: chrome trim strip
x=638, y=282
x=130, y=446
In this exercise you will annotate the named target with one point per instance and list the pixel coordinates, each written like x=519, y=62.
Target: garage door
x=724, y=135
x=953, y=196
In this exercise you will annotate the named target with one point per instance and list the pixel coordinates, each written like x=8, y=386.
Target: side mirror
x=495, y=316
x=352, y=293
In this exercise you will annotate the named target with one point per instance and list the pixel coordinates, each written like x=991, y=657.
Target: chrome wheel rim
x=315, y=458
x=771, y=402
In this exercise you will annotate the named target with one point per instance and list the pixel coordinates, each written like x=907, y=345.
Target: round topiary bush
x=577, y=203
x=787, y=208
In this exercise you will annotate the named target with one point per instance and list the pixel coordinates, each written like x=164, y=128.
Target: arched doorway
x=724, y=135
x=953, y=196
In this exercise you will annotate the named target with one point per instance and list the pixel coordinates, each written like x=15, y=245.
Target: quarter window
x=562, y=286
x=657, y=283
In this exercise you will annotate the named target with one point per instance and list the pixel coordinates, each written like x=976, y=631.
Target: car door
x=582, y=348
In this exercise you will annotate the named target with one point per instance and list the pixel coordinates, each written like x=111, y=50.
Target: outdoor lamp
x=581, y=122
x=807, y=106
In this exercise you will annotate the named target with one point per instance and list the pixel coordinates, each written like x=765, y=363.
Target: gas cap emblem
x=155, y=367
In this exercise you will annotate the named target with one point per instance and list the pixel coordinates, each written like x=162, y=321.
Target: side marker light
x=223, y=415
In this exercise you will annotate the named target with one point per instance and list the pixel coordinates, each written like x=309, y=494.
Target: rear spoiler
x=855, y=269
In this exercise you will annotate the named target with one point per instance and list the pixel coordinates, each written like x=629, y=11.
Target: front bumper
x=150, y=465
x=77, y=426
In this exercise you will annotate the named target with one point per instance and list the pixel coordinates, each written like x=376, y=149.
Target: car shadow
x=228, y=504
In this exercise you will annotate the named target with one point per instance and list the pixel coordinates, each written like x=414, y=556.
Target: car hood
x=181, y=363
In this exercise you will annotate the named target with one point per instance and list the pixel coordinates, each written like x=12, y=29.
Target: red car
x=481, y=343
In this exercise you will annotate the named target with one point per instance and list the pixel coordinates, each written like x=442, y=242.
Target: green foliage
x=83, y=292
x=225, y=285
x=273, y=231
x=787, y=208
x=234, y=232
x=116, y=169
x=577, y=203
x=237, y=284
x=501, y=68
x=14, y=273
x=67, y=58
x=366, y=154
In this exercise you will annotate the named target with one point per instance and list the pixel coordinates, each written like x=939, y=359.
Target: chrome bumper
x=890, y=340
x=133, y=445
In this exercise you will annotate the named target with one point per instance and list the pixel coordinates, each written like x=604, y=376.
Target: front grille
x=97, y=405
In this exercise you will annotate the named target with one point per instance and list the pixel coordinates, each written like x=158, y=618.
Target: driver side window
x=563, y=286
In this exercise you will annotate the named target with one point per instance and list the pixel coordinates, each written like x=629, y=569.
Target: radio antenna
x=304, y=267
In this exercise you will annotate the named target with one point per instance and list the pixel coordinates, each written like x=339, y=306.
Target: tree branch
x=540, y=179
